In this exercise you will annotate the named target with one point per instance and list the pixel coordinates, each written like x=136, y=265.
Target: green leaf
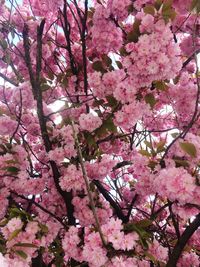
x=150, y=256
x=160, y=146
x=169, y=14
x=181, y=162
x=109, y=124
x=167, y=4
x=98, y=102
x=89, y=139
x=12, y=169
x=65, y=81
x=3, y=44
x=150, y=99
x=144, y=153
x=107, y=60
x=2, y=249
x=27, y=245
x=50, y=75
x=3, y=222
x=144, y=223
x=45, y=87
x=158, y=4
x=119, y=64
x=160, y=85
x=189, y=148
x=98, y=66
x=168, y=11
x=152, y=164
x=148, y=144
x=69, y=73
x=130, y=227
x=21, y=253
x=43, y=228
x=7, y=58
x=11, y=161
x=123, y=52
x=143, y=235
x=130, y=8
x=90, y=14
x=133, y=35
x=174, y=135
x=195, y=6
x=112, y=101
x=14, y=234
x=149, y=9
x=15, y=212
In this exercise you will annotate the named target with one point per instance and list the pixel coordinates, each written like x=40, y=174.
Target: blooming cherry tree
x=99, y=133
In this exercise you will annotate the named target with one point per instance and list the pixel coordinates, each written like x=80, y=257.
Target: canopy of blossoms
x=99, y=133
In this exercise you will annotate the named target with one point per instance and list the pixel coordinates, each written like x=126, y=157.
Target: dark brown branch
x=66, y=29
x=189, y=231
x=40, y=207
x=28, y=58
x=40, y=30
x=117, y=24
x=185, y=63
x=156, y=213
x=113, y=204
x=194, y=117
x=122, y=164
x=130, y=208
x=18, y=118
x=84, y=27
x=38, y=261
x=174, y=221
x=36, y=88
x=8, y=79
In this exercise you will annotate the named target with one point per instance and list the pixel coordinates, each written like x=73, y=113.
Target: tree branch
x=86, y=179
x=28, y=59
x=189, y=231
x=113, y=204
x=8, y=79
x=185, y=63
x=36, y=88
x=40, y=207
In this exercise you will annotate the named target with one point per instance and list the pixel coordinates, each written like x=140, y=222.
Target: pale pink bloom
x=14, y=224
x=89, y=122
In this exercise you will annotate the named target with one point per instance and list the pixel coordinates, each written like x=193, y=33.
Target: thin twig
x=86, y=179
x=8, y=79
x=40, y=207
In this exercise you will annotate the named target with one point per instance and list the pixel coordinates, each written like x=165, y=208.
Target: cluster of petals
x=106, y=37
x=72, y=179
x=118, y=9
x=155, y=56
x=105, y=85
x=83, y=211
x=130, y=114
x=180, y=185
x=89, y=122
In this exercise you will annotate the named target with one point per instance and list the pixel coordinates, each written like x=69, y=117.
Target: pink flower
x=147, y=23
x=3, y=261
x=89, y=122
x=14, y=224
x=7, y=125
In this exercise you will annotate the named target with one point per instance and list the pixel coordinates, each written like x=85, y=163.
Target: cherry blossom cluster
x=155, y=56
x=99, y=133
